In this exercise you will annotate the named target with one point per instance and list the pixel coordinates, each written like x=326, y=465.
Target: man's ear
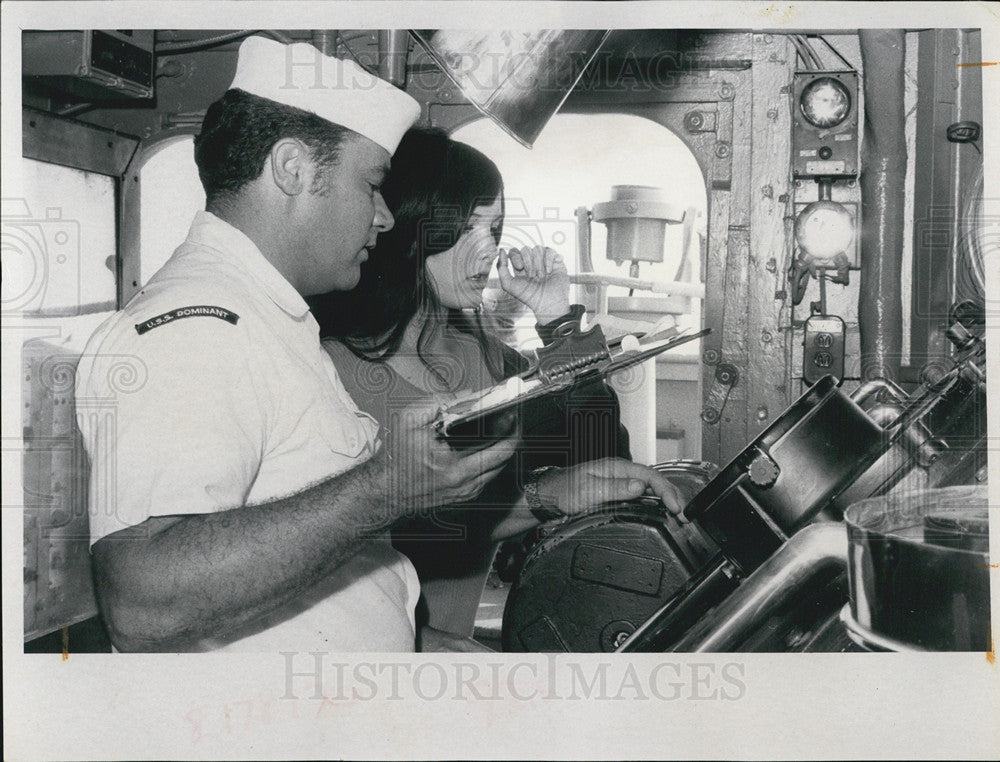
x=291, y=166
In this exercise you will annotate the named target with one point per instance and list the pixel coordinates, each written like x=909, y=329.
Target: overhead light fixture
x=637, y=217
x=517, y=78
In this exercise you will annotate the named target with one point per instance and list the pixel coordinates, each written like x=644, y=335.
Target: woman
x=413, y=329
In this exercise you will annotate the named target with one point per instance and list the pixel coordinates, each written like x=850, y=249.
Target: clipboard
x=574, y=358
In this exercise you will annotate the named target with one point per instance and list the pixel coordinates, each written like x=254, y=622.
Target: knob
x=763, y=471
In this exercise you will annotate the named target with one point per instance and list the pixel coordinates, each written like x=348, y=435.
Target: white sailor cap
x=339, y=91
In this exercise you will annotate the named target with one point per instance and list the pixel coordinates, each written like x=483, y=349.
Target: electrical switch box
x=95, y=64
x=825, y=124
x=823, y=354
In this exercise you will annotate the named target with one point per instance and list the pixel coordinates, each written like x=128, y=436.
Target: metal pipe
x=204, y=42
x=393, y=48
x=883, y=178
x=325, y=41
x=816, y=553
x=868, y=388
x=173, y=48
x=76, y=110
x=884, y=413
x=593, y=296
x=916, y=437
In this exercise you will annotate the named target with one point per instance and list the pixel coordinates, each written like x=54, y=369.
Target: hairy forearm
x=205, y=574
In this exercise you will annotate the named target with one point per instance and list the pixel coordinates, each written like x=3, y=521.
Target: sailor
x=239, y=498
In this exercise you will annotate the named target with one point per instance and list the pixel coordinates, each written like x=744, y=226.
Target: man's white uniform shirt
x=210, y=391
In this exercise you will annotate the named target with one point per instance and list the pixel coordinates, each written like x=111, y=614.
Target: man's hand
x=589, y=486
x=424, y=470
x=539, y=280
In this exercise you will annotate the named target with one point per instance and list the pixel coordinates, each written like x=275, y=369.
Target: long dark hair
x=432, y=188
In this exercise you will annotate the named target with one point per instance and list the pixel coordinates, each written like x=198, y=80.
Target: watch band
x=540, y=510
x=547, y=331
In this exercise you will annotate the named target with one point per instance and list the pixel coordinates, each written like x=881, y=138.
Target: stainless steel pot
x=918, y=567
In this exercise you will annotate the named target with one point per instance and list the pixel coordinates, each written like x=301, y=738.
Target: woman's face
x=459, y=274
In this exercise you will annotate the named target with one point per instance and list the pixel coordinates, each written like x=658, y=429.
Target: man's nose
x=383, y=217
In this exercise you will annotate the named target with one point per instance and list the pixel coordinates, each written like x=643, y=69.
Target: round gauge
x=825, y=102
x=824, y=229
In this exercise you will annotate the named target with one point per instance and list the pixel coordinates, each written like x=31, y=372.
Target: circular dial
x=825, y=102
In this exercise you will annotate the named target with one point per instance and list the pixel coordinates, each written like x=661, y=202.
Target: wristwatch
x=547, y=332
x=540, y=510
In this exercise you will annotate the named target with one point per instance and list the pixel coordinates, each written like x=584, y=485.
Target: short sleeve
x=171, y=421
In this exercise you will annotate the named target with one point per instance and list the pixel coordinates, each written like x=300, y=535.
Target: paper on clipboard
x=473, y=416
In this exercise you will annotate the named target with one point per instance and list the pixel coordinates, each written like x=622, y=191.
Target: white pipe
x=636, y=389
x=693, y=290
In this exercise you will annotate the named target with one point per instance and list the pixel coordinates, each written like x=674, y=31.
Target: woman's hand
x=539, y=279
x=589, y=486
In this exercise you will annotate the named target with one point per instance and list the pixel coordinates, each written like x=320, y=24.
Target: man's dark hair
x=239, y=131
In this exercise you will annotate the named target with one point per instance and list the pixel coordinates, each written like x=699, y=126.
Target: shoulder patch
x=186, y=312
